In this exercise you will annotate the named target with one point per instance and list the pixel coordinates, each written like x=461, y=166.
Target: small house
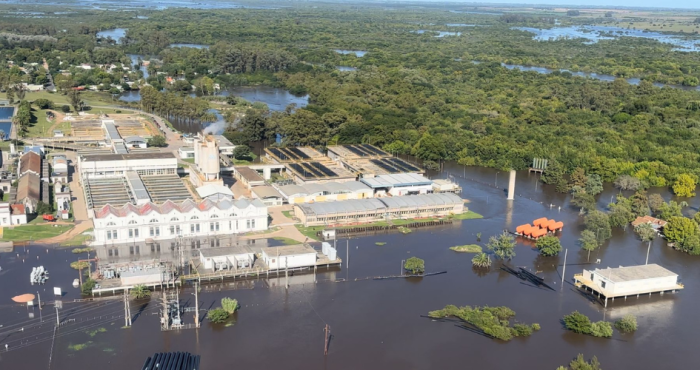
x=135, y=142
x=227, y=258
x=57, y=133
x=656, y=223
x=268, y=195
x=289, y=256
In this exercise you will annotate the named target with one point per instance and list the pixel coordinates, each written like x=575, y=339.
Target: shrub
x=578, y=323
x=43, y=103
x=217, y=315
x=601, y=329
x=626, y=324
x=229, y=305
x=521, y=330
x=65, y=108
x=88, y=286
x=535, y=327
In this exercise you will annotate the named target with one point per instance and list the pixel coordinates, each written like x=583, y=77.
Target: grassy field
x=34, y=232
x=286, y=241
x=469, y=248
x=288, y=214
x=77, y=240
x=91, y=98
x=41, y=127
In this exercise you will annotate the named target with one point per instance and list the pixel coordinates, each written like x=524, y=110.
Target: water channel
x=377, y=324
x=595, y=33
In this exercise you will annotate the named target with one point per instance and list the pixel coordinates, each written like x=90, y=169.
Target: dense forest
x=414, y=93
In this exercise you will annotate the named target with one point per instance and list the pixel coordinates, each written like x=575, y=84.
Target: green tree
x=580, y=363
x=620, y=214
x=684, y=186
x=229, y=305
x=645, y=231
x=88, y=286
x=548, y=245
x=43, y=103
x=640, y=204
x=627, y=324
x=415, y=266
x=583, y=200
x=242, y=152
x=627, y=182
x=75, y=100
x=481, y=260
x=588, y=241
x=158, y=141
x=430, y=147
x=578, y=323
x=503, y=246
x=671, y=209
x=65, y=108
x=217, y=315
x=691, y=245
x=140, y=291
x=594, y=184
x=599, y=223
x=678, y=229
x=578, y=178
x=43, y=208
x=554, y=175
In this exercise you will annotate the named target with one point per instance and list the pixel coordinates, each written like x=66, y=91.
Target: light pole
x=496, y=182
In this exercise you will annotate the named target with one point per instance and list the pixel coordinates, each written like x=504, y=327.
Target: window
x=194, y=218
x=247, y=224
x=133, y=233
x=194, y=228
x=132, y=222
x=111, y=224
x=153, y=221
x=172, y=230
x=172, y=246
x=174, y=219
x=602, y=285
x=109, y=235
x=592, y=277
x=214, y=216
x=214, y=226
x=252, y=224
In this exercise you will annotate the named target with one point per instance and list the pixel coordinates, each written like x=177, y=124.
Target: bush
x=601, y=329
x=626, y=324
x=88, y=286
x=43, y=103
x=535, y=327
x=522, y=330
x=229, y=305
x=217, y=315
x=157, y=141
x=578, y=323
x=65, y=108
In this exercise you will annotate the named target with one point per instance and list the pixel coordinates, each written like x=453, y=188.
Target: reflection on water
x=358, y=53
x=596, y=33
x=194, y=46
x=116, y=34
x=377, y=323
x=439, y=33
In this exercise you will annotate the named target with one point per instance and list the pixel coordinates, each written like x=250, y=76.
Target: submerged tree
x=229, y=305
x=548, y=245
x=140, y=291
x=503, y=246
x=580, y=363
x=645, y=231
x=414, y=265
x=481, y=260
x=588, y=241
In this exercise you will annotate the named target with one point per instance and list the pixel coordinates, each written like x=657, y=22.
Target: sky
x=687, y=4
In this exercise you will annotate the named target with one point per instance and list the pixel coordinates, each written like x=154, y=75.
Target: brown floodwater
x=377, y=324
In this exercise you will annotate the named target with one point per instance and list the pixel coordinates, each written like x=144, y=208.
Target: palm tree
x=140, y=291
x=481, y=260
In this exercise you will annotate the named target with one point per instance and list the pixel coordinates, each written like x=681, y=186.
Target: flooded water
x=115, y=34
x=601, y=77
x=439, y=33
x=377, y=324
x=135, y=60
x=277, y=99
x=358, y=53
x=194, y=46
x=595, y=33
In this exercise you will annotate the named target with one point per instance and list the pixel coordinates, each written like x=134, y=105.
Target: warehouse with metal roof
x=399, y=184
x=323, y=192
x=376, y=209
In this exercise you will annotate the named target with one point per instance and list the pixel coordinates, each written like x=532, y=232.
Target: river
x=376, y=324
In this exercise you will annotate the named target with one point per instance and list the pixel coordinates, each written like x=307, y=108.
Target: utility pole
x=127, y=309
x=347, y=254
x=563, y=273
x=165, y=318
x=648, y=249
x=196, y=305
x=41, y=319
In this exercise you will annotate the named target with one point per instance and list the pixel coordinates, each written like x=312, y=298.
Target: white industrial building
x=114, y=165
x=206, y=161
x=135, y=142
x=214, y=192
x=268, y=195
x=59, y=169
x=628, y=281
x=399, y=184
x=226, y=258
x=323, y=192
x=289, y=256
x=134, y=223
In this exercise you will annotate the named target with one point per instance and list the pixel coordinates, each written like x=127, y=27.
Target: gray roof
x=331, y=187
x=289, y=250
x=412, y=201
x=266, y=192
x=399, y=179
x=120, y=148
x=129, y=156
x=374, y=204
x=223, y=141
x=346, y=206
x=137, y=185
x=632, y=273
x=112, y=132
x=134, y=139
x=224, y=251
x=249, y=174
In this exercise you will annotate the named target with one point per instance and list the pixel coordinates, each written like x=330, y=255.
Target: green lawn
x=90, y=98
x=6, y=196
x=41, y=127
x=469, y=248
x=288, y=214
x=34, y=232
x=188, y=160
x=286, y=241
x=78, y=239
